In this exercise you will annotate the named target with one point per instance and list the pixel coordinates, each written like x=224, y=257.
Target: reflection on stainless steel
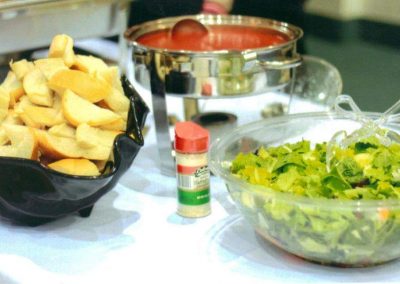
x=208, y=74
x=28, y=24
x=162, y=126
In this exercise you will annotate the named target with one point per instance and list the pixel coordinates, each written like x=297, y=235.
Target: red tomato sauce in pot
x=218, y=38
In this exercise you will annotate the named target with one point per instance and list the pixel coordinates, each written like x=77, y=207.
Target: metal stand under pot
x=208, y=74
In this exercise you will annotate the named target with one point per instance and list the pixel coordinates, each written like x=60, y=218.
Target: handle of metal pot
x=284, y=64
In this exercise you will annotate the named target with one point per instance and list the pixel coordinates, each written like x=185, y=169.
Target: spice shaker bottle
x=192, y=172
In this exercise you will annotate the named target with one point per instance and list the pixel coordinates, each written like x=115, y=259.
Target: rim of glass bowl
x=223, y=142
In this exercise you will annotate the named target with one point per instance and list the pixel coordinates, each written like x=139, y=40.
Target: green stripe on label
x=193, y=197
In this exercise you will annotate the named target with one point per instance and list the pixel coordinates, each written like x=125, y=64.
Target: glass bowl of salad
x=347, y=214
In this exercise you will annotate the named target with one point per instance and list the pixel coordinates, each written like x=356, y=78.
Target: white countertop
x=134, y=236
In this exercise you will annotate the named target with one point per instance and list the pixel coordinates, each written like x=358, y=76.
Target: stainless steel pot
x=222, y=73
x=208, y=74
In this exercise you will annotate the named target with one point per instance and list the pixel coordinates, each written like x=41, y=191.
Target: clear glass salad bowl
x=349, y=233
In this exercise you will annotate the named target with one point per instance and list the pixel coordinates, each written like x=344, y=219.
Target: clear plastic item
x=349, y=233
x=368, y=127
x=192, y=172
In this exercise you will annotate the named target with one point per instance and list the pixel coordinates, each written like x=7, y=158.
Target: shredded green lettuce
x=364, y=170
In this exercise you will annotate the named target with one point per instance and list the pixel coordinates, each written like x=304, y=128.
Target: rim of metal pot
x=295, y=33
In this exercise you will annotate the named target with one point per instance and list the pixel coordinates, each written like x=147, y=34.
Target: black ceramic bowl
x=32, y=194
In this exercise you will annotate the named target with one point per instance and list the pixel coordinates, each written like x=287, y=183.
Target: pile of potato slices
x=64, y=111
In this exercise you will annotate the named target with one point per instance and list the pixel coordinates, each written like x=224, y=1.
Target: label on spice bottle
x=193, y=185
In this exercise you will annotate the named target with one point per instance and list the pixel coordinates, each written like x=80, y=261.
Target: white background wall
x=386, y=11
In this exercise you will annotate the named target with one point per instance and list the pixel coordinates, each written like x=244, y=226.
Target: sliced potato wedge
x=117, y=101
x=35, y=86
x=117, y=125
x=13, y=118
x=23, y=142
x=13, y=87
x=4, y=103
x=19, y=109
x=62, y=130
x=80, y=167
x=57, y=147
x=89, y=64
x=88, y=136
x=81, y=83
x=62, y=46
x=44, y=116
x=78, y=110
x=113, y=77
x=50, y=66
x=21, y=68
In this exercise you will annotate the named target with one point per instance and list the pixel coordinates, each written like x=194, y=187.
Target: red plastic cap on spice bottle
x=191, y=137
